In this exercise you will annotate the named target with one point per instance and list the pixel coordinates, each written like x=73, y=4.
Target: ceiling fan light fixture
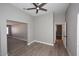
x=37, y=8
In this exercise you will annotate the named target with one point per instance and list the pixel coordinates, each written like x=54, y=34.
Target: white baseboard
x=19, y=38
x=68, y=52
x=29, y=43
x=41, y=42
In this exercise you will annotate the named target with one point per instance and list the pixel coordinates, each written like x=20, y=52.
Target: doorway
x=58, y=32
x=17, y=36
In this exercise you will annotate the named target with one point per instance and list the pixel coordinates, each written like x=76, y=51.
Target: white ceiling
x=51, y=7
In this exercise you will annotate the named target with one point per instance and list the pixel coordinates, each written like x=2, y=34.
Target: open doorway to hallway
x=59, y=39
x=16, y=36
x=60, y=34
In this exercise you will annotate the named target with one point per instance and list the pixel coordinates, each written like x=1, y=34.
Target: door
x=64, y=36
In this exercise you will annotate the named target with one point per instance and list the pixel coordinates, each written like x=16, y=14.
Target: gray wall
x=43, y=28
x=71, y=19
x=9, y=12
x=20, y=31
x=0, y=43
x=59, y=18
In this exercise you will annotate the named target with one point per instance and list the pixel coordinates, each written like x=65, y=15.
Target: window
x=7, y=31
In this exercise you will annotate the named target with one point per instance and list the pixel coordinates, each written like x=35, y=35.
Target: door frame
x=54, y=41
x=56, y=27
x=28, y=31
x=55, y=31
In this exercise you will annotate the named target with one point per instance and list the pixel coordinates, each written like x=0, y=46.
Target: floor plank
x=36, y=49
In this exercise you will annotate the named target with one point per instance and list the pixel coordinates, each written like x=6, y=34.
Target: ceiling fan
x=37, y=7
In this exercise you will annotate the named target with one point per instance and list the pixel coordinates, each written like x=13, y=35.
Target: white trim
x=68, y=52
x=44, y=43
x=40, y=42
x=29, y=43
x=18, y=38
x=55, y=30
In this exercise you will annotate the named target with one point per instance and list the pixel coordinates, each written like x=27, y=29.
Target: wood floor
x=35, y=49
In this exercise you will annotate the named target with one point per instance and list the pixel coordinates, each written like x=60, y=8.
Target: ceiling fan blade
x=41, y=5
x=35, y=4
x=43, y=9
x=31, y=8
x=36, y=11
